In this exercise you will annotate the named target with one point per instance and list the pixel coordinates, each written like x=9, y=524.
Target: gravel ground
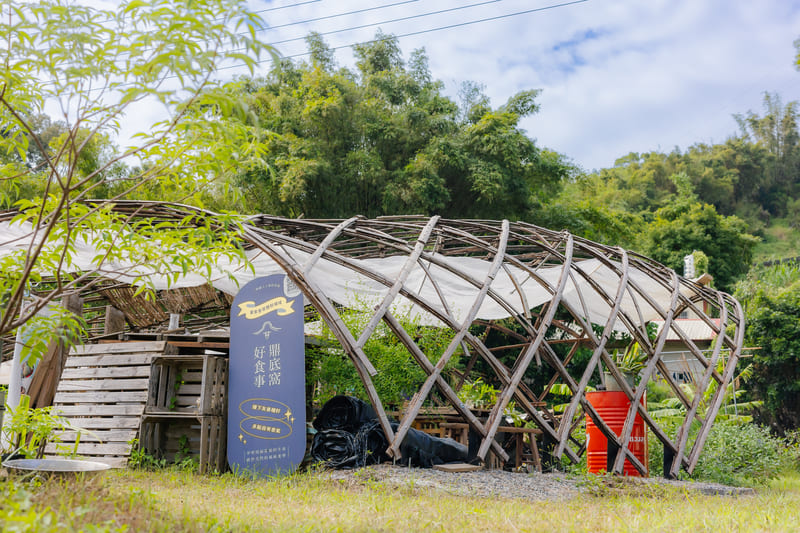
x=498, y=483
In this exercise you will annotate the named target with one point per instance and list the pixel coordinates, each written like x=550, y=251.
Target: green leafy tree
x=776, y=131
x=96, y=65
x=797, y=55
x=732, y=176
x=32, y=185
x=590, y=220
x=729, y=176
x=383, y=139
x=771, y=300
x=685, y=226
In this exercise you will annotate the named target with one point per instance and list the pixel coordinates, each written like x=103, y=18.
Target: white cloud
x=616, y=76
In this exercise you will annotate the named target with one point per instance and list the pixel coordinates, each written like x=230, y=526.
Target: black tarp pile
x=350, y=436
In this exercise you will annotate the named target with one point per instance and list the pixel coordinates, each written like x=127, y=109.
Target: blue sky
x=616, y=76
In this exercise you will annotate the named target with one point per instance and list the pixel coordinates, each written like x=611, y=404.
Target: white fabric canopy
x=348, y=287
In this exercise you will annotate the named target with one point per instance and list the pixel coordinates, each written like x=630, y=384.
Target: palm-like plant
x=672, y=410
x=632, y=360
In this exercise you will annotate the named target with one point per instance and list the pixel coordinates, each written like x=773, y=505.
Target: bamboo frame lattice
x=509, y=249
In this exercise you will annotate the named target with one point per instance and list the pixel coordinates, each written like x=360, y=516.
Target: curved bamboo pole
x=522, y=252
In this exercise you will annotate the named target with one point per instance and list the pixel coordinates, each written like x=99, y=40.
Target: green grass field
x=181, y=501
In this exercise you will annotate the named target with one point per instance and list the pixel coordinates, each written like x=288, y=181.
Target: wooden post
x=114, y=322
x=612, y=451
x=669, y=461
x=48, y=372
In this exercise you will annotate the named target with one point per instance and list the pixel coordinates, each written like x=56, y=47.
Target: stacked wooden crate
x=185, y=412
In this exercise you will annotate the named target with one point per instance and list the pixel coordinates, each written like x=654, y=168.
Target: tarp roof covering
x=459, y=281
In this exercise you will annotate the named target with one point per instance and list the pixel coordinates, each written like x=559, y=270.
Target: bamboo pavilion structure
x=555, y=292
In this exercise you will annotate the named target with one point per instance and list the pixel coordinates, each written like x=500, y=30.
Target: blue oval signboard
x=266, y=387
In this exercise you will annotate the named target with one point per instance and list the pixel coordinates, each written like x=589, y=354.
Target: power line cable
x=399, y=19
x=402, y=35
x=421, y=32
x=354, y=12
x=326, y=17
x=298, y=4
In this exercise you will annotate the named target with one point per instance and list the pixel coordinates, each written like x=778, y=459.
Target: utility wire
x=408, y=34
x=287, y=6
x=420, y=32
x=356, y=12
x=400, y=19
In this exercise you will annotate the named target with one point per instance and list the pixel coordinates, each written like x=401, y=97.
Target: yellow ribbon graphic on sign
x=279, y=304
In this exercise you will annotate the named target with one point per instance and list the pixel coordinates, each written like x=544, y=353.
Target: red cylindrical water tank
x=612, y=406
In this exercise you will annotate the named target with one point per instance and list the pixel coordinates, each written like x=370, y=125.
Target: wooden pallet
x=103, y=391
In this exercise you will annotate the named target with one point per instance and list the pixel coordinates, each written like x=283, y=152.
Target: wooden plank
x=113, y=462
x=156, y=415
x=141, y=371
x=105, y=436
x=205, y=345
x=218, y=441
x=101, y=397
x=45, y=379
x=216, y=404
x=512, y=429
x=204, y=435
x=100, y=410
x=152, y=390
x=143, y=337
x=133, y=358
x=190, y=389
x=101, y=423
x=213, y=337
x=103, y=385
x=457, y=467
x=162, y=381
x=93, y=448
x=118, y=347
x=188, y=403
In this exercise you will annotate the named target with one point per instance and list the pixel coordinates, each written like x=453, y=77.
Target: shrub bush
x=330, y=371
x=734, y=454
x=741, y=454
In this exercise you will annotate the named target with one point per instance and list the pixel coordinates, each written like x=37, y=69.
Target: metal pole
x=14, y=390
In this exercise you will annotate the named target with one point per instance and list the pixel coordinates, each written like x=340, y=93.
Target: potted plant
x=630, y=363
